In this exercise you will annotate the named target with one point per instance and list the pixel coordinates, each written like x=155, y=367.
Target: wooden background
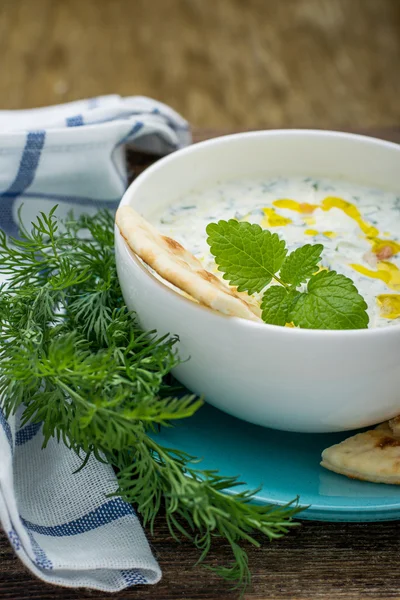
x=223, y=63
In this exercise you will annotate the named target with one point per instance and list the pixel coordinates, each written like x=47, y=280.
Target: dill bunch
x=74, y=356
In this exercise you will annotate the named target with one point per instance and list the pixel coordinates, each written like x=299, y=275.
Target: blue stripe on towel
x=27, y=433
x=106, y=513
x=6, y=427
x=26, y=174
x=28, y=164
x=75, y=121
x=41, y=559
x=133, y=577
x=131, y=133
x=14, y=539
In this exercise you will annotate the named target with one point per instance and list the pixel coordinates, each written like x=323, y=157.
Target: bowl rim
x=237, y=321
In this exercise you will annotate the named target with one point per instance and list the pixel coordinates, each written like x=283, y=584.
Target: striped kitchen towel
x=74, y=154
x=62, y=525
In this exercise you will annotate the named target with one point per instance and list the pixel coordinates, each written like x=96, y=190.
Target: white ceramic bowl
x=290, y=379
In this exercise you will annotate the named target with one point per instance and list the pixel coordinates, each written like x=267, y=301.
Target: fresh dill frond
x=75, y=357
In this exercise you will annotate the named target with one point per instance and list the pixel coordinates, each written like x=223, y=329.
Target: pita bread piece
x=178, y=266
x=370, y=456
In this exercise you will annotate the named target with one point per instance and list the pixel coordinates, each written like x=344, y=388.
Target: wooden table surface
x=343, y=561
x=233, y=63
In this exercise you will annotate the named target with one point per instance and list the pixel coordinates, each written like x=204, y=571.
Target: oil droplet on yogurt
x=351, y=211
x=301, y=207
x=386, y=271
x=389, y=305
x=272, y=219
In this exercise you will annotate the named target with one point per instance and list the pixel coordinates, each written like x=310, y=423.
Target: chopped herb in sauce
x=356, y=225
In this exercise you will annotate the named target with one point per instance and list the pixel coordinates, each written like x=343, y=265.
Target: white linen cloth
x=62, y=525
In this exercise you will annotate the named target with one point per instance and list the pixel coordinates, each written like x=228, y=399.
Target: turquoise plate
x=285, y=465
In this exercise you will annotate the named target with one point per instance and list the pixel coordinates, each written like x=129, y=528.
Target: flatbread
x=178, y=266
x=394, y=425
x=370, y=456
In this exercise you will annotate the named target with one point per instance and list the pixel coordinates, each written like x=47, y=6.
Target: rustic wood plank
x=319, y=561
x=226, y=63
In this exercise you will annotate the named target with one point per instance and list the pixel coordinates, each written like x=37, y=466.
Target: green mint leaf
x=248, y=255
x=331, y=302
x=276, y=304
x=301, y=264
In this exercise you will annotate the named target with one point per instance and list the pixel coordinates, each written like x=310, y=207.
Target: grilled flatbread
x=370, y=456
x=175, y=264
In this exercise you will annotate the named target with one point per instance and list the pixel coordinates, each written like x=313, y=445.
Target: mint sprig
x=277, y=303
x=331, y=302
x=301, y=264
x=251, y=257
x=248, y=256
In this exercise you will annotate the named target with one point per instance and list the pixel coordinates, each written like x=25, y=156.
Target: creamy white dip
x=358, y=226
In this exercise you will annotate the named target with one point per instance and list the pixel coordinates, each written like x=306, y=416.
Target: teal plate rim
x=284, y=465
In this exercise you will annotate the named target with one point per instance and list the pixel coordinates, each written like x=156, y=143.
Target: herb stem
x=279, y=280
x=74, y=356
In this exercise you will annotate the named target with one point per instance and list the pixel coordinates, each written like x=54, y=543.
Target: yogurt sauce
x=358, y=226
